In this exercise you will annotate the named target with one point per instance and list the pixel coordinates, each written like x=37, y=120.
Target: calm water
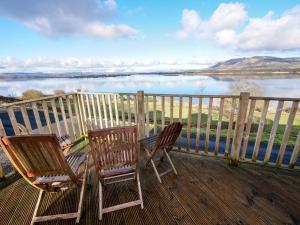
x=281, y=87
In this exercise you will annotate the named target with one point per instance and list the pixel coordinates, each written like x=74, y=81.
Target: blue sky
x=131, y=35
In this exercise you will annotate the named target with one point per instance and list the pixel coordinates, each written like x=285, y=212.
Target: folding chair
x=64, y=141
x=115, y=154
x=159, y=145
x=39, y=159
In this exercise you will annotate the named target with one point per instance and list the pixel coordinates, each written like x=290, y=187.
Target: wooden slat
x=248, y=128
x=110, y=110
x=88, y=106
x=273, y=131
x=295, y=153
x=287, y=132
x=2, y=130
x=135, y=108
x=79, y=114
x=230, y=124
x=129, y=110
x=116, y=110
x=25, y=117
x=189, y=123
x=199, y=114
x=36, y=115
x=218, y=134
x=147, y=115
x=71, y=115
x=180, y=120
x=57, y=123
x=83, y=109
x=104, y=110
x=13, y=120
x=260, y=130
x=208, y=124
x=63, y=113
x=162, y=112
x=122, y=110
x=171, y=108
x=94, y=109
x=99, y=111
x=154, y=115
x=46, y=114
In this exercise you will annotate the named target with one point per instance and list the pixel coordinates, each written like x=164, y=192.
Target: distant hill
x=259, y=63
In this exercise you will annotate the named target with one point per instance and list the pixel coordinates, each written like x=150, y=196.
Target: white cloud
x=229, y=26
x=59, y=18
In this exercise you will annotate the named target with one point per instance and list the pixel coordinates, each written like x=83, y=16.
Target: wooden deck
x=206, y=191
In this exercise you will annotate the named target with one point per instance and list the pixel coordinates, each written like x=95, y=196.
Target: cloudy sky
x=132, y=35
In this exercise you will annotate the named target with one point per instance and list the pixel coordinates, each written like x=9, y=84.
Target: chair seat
x=115, y=171
x=74, y=160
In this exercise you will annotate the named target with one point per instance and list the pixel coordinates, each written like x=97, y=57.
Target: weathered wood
x=189, y=123
x=171, y=108
x=154, y=115
x=56, y=119
x=94, y=109
x=219, y=126
x=99, y=110
x=2, y=130
x=83, y=109
x=208, y=124
x=147, y=116
x=25, y=117
x=36, y=116
x=110, y=110
x=104, y=110
x=122, y=110
x=141, y=115
x=46, y=114
x=63, y=113
x=287, y=131
x=88, y=106
x=116, y=110
x=13, y=120
x=129, y=110
x=240, y=123
x=295, y=153
x=162, y=112
x=260, y=130
x=180, y=121
x=79, y=114
x=199, y=114
x=230, y=124
x=71, y=115
x=135, y=109
x=248, y=128
x=273, y=131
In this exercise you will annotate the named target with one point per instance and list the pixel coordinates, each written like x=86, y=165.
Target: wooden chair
x=39, y=159
x=159, y=145
x=64, y=141
x=115, y=153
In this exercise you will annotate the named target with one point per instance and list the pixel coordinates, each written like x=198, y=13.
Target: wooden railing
x=240, y=128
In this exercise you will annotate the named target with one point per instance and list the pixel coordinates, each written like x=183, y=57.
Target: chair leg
x=155, y=170
x=82, y=192
x=170, y=161
x=140, y=189
x=37, y=206
x=100, y=201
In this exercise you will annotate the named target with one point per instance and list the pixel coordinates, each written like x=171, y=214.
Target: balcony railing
x=240, y=128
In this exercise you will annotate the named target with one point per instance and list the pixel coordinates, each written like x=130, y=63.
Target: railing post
x=141, y=115
x=239, y=128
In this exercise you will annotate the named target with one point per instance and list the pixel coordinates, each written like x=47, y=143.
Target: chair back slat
x=36, y=155
x=113, y=147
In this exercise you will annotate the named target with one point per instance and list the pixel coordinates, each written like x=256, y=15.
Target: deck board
x=207, y=191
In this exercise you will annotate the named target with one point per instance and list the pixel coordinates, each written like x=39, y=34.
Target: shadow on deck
x=206, y=191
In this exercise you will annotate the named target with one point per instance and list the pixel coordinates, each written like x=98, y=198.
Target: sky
x=135, y=36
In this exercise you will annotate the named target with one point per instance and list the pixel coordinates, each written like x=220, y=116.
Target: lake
x=287, y=86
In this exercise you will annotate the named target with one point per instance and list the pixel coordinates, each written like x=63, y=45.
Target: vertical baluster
x=129, y=110
x=94, y=109
x=83, y=108
x=46, y=114
x=248, y=128
x=230, y=124
x=260, y=130
x=171, y=108
x=199, y=114
x=295, y=153
x=63, y=113
x=147, y=116
x=122, y=109
x=104, y=110
x=110, y=110
x=13, y=120
x=162, y=112
x=99, y=111
x=208, y=124
x=36, y=116
x=273, y=131
x=154, y=115
x=2, y=130
x=219, y=126
x=71, y=115
x=79, y=114
x=189, y=122
x=180, y=120
x=135, y=109
x=287, y=131
x=88, y=107
x=25, y=117
x=57, y=123
x=116, y=110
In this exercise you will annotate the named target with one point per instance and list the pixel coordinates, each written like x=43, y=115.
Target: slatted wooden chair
x=115, y=153
x=64, y=141
x=39, y=159
x=158, y=146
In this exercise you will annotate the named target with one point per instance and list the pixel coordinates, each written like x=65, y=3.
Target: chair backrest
x=167, y=138
x=36, y=155
x=113, y=147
